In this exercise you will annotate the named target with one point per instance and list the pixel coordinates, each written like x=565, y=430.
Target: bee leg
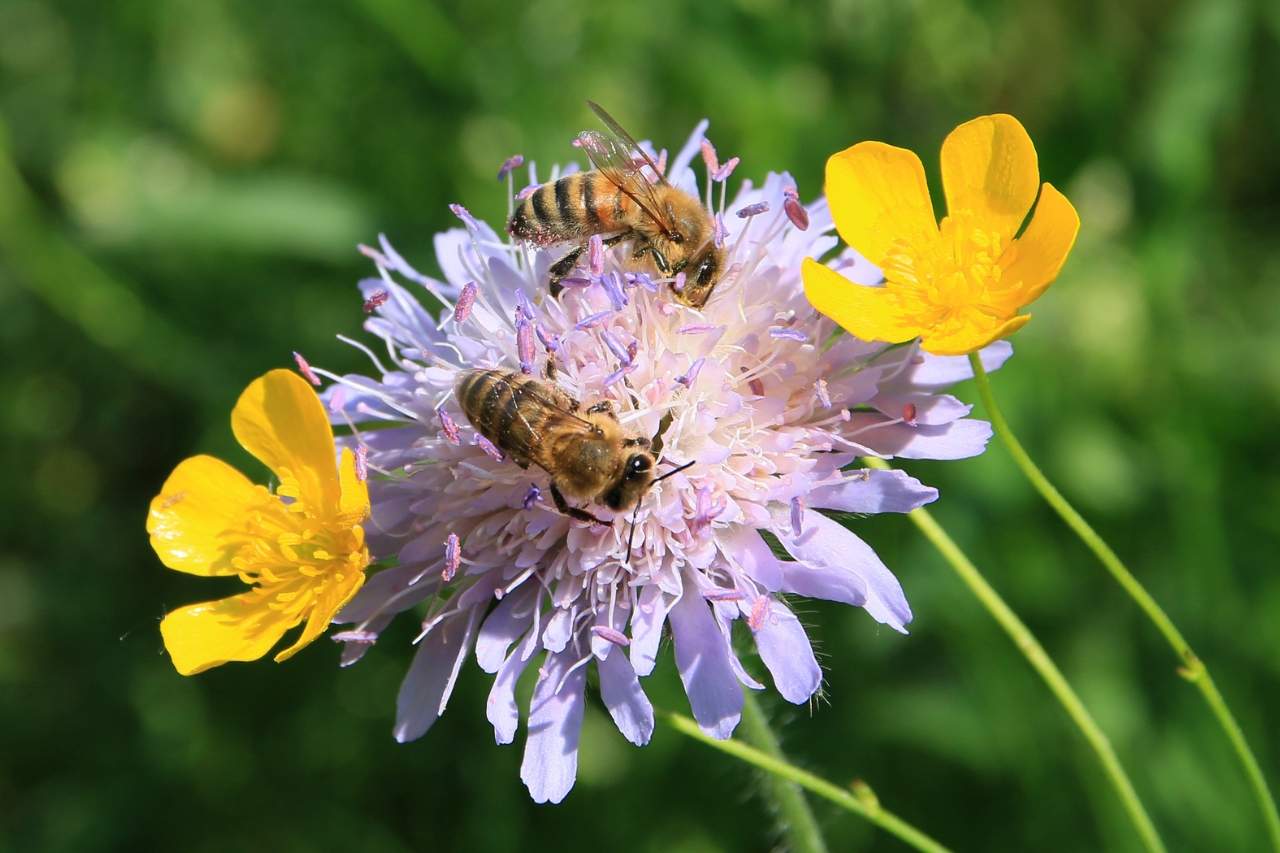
x=604, y=407
x=562, y=268
x=573, y=511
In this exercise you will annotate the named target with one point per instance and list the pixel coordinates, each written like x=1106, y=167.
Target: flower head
x=302, y=549
x=751, y=388
x=957, y=285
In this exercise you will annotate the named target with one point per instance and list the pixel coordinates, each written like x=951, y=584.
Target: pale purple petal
x=784, y=647
x=924, y=408
x=702, y=657
x=501, y=709
x=646, y=629
x=426, y=687
x=621, y=693
x=940, y=371
x=746, y=547
x=555, y=721
x=956, y=440
x=870, y=491
x=831, y=548
x=505, y=625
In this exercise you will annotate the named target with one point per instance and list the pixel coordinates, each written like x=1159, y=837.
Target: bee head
x=637, y=473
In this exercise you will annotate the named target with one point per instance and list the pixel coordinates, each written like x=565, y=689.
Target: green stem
x=1042, y=663
x=1192, y=669
x=861, y=801
x=796, y=817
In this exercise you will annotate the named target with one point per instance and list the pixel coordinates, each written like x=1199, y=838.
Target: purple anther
x=706, y=509
x=531, y=497
x=515, y=161
x=632, y=349
x=720, y=233
x=449, y=428
x=909, y=414
x=463, y=214
x=616, y=348
x=797, y=516
x=759, y=610
x=377, y=298
x=678, y=284
x=337, y=399
x=452, y=557
x=619, y=373
x=362, y=463
x=691, y=375
x=796, y=213
x=373, y=255
x=466, y=300
x=613, y=635
x=595, y=255
x=643, y=280
x=528, y=191
x=550, y=343
x=488, y=447
x=613, y=287
x=722, y=595
x=697, y=329
x=753, y=209
x=575, y=281
x=820, y=391
x=591, y=320
x=525, y=345
x=305, y=369
x=723, y=173
x=709, y=157
x=757, y=387
x=788, y=334
x=662, y=162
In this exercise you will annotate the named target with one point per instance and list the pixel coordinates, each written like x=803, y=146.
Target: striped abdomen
x=571, y=209
x=509, y=408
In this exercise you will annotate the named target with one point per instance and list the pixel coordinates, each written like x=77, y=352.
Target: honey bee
x=616, y=198
x=588, y=454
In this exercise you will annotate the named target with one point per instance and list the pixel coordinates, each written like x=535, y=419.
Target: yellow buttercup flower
x=302, y=549
x=958, y=285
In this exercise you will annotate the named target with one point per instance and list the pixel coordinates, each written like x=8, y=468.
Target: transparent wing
x=627, y=141
x=617, y=156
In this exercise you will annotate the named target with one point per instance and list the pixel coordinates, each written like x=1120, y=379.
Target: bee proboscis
x=617, y=198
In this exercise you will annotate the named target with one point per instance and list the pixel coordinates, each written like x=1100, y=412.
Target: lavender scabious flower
x=732, y=389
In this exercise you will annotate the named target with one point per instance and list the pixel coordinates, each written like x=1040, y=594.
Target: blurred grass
x=181, y=188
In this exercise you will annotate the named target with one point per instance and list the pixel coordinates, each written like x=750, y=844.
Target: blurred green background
x=182, y=185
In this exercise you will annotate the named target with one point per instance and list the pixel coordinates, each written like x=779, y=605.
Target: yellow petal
x=877, y=195
x=989, y=169
x=282, y=422
x=202, y=499
x=1043, y=248
x=335, y=596
x=869, y=313
x=971, y=339
x=355, y=492
x=243, y=627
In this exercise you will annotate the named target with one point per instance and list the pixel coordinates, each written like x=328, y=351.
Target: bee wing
x=627, y=141
x=612, y=155
x=527, y=443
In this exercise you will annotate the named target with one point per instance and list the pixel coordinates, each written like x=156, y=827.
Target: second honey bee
x=616, y=198
x=588, y=454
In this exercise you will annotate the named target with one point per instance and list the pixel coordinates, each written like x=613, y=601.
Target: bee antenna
x=672, y=472
x=631, y=532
